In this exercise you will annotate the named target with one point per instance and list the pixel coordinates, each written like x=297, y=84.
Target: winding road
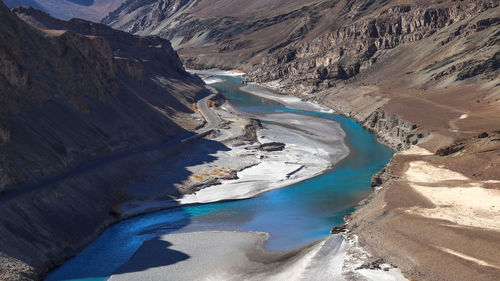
x=212, y=119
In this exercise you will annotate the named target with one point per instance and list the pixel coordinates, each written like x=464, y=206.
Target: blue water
x=294, y=216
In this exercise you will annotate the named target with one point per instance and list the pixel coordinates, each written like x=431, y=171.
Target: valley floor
x=312, y=146
x=242, y=256
x=436, y=211
x=229, y=165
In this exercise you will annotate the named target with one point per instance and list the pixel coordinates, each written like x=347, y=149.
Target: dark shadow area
x=108, y=252
x=115, y=246
x=79, y=136
x=153, y=253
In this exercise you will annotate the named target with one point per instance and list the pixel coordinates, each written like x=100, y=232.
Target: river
x=293, y=216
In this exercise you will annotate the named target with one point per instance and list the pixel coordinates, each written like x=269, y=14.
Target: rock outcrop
x=272, y=146
x=76, y=96
x=344, y=52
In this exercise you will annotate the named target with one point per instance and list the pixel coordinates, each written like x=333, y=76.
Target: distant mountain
x=72, y=94
x=93, y=10
x=315, y=42
x=225, y=33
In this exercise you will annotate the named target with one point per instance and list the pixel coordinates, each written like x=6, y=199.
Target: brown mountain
x=422, y=75
x=76, y=95
x=225, y=34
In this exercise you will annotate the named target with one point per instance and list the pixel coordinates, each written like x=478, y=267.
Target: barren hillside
x=74, y=95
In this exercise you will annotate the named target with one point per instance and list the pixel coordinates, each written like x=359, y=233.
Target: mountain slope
x=93, y=10
x=86, y=75
x=225, y=33
x=73, y=98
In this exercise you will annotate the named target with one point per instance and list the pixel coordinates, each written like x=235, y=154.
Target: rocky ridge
x=75, y=97
x=231, y=31
x=350, y=49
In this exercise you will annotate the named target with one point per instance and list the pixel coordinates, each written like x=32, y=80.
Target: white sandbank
x=232, y=73
x=311, y=147
x=289, y=101
x=225, y=255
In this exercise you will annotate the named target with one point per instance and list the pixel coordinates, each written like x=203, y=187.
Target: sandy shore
x=228, y=165
x=289, y=101
x=224, y=255
x=312, y=145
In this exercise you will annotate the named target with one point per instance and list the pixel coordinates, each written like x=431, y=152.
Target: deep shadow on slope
x=82, y=117
x=73, y=211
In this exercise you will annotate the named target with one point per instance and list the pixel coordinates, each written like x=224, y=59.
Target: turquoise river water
x=294, y=216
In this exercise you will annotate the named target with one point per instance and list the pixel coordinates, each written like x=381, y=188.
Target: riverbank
x=231, y=164
x=242, y=256
x=437, y=201
x=347, y=260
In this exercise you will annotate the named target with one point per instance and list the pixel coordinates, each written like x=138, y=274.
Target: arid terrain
x=75, y=99
x=423, y=75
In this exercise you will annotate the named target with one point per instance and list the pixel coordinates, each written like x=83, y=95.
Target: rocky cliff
x=227, y=33
x=352, y=48
x=75, y=96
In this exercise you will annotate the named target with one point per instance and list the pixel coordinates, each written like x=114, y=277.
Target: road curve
x=213, y=120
